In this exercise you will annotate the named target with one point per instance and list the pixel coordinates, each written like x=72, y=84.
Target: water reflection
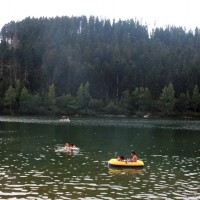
x=124, y=171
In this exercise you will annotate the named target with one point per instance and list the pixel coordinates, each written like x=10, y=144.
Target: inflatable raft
x=115, y=163
x=63, y=149
x=73, y=149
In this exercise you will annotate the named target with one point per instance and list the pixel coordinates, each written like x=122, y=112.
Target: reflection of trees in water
x=124, y=171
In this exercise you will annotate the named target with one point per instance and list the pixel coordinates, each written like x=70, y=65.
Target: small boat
x=146, y=116
x=63, y=149
x=65, y=119
x=74, y=149
x=115, y=163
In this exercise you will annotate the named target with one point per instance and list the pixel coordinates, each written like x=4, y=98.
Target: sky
x=153, y=13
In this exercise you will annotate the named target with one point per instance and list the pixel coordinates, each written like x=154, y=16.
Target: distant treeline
x=90, y=66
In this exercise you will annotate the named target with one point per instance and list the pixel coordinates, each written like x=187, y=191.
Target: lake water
x=30, y=168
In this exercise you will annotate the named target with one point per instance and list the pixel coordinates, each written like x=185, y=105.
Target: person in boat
x=67, y=147
x=134, y=157
x=72, y=146
x=120, y=158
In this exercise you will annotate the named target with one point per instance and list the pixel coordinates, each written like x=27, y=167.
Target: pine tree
x=195, y=98
x=10, y=97
x=167, y=99
x=83, y=96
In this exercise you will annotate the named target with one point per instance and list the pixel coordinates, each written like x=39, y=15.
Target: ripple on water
x=45, y=174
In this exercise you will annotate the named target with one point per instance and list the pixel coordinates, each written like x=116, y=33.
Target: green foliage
x=67, y=104
x=112, y=108
x=50, y=100
x=10, y=97
x=18, y=87
x=36, y=105
x=183, y=102
x=24, y=101
x=96, y=105
x=167, y=99
x=121, y=61
x=1, y=105
x=195, y=98
x=125, y=101
x=83, y=96
x=141, y=99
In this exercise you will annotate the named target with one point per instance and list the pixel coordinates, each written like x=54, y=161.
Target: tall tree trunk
x=117, y=94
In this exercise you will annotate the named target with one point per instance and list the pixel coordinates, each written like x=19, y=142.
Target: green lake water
x=31, y=168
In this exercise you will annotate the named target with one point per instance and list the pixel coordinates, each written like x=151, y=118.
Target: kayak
x=115, y=163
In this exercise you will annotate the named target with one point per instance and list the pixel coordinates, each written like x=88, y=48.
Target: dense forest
x=90, y=66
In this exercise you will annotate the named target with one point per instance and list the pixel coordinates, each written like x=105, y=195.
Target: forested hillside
x=76, y=65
